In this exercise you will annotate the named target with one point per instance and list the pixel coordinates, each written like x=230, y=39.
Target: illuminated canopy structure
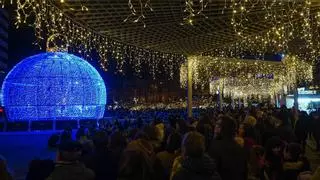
x=159, y=34
x=243, y=78
x=54, y=86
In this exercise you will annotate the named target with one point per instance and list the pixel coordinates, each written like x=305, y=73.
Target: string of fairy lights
x=191, y=10
x=138, y=15
x=290, y=21
x=47, y=20
x=247, y=77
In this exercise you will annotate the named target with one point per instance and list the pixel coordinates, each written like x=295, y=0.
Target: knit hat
x=250, y=120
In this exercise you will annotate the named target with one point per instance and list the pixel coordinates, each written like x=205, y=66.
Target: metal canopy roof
x=166, y=30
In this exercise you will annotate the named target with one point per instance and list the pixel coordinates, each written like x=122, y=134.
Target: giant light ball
x=54, y=86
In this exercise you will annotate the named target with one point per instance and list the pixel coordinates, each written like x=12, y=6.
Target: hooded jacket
x=202, y=168
x=231, y=159
x=71, y=171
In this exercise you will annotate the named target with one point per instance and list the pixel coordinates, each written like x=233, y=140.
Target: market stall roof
x=166, y=25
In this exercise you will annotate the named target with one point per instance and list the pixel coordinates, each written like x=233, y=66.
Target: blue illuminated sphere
x=54, y=86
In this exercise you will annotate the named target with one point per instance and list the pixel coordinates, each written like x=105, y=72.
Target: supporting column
x=296, y=103
x=220, y=100
x=245, y=102
x=271, y=99
x=189, y=87
x=260, y=99
x=232, y=102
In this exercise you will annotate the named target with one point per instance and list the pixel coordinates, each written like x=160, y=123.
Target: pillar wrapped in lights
x=54, y=86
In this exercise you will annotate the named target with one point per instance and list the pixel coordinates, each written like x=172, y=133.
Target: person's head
x=135, y=165
x=141, y=135
x=132, y=133
x=260, y=114
x=207, y=132
x=292, y=152
x=151, y=132
x=40, y=169
x=117, y=140
x=249, y=132
x=241, y=130
x=65, y=136
x=173, y=142
x=228, y=127
x=173, y=121
x=160, y=130
x=4, y=174
x=69, y=151
x=80, y=133
x=204, y=119
x=3, y=165
x=274, y=147
x=217, y=128
x=193, y=145
x=250, y=121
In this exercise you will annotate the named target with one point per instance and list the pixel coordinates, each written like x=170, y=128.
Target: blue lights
x=54, y=86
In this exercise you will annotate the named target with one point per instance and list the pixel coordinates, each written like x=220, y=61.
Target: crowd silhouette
x=256, y=143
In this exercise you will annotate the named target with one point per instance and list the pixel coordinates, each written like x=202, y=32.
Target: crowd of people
x=256, y=143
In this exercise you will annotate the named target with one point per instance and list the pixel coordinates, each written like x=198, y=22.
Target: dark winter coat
x=301, y=127
x=291, y=170
x=71, y=171
x=197, y=169
x=230, y=158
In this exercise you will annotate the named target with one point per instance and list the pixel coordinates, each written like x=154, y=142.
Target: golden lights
x=294, y=29
x=246, y=77
x=47, y=19
x=290, y=22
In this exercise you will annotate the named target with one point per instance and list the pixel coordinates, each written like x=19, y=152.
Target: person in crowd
x=81, y=132
x=172, y=151
x=229, y=156
x=4, y=172
x=315, y=129
x=195, y=164
x=183, y=126
x=132, y=134
x=138, y=160
x=249, y=137
x=105, y=159
x=274, y=158
x=207, y=132
x=316, y=175
x=232, y=144
x=66, y=136
x=40, y=169
x=172, y=124
x=153, y=137
x=294, y=162
x=256, y=162
x=139, y=122
x=284, y=129
x=217, y=129
x=68, y=166
x=117, y=145
x=301, y=128
x=53, y=141
x=86, y=142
